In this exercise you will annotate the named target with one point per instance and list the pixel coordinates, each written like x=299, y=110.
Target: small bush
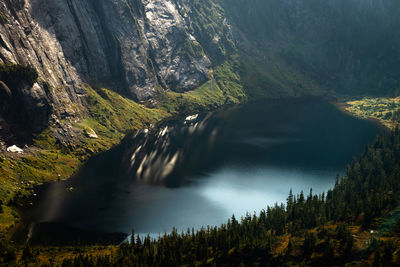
x=3, y=18
x=12, y=74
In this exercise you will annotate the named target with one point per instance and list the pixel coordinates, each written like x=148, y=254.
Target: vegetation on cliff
x=50, y=158
x=13, y=74
x=3, y=18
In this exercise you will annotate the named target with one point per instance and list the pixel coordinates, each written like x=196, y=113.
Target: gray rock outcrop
x=134, y=47
x=130, y=46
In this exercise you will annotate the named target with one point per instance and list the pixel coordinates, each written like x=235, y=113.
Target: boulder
x=91, y=133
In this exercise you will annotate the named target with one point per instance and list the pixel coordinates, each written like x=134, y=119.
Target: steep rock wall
x=135, y=47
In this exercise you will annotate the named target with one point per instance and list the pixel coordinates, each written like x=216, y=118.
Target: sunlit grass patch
x=386, y=110
x=223, y=88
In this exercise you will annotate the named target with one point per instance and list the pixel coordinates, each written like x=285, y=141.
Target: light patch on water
x=238, y=191
x=214, y=197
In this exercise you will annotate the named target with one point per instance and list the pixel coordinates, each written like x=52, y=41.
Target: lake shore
x=275, y=142
x=344, y=106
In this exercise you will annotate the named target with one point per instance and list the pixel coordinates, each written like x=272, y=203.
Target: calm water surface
x=190, y=174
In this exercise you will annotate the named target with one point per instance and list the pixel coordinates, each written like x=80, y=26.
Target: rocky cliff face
x=24, y=41
x=135, y=47
x=140, y=48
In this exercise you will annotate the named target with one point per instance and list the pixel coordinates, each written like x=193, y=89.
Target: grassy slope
x=384, y=110
x=111, y=117
x=224, y=88
x=271, y=77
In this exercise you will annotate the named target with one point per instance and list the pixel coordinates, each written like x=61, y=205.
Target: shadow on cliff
x=84, y=31
x=23, y=110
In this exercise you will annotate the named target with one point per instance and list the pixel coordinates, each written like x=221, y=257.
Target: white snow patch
x=15, y=149
x=192, y=117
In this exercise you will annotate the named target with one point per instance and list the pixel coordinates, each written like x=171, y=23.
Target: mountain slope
x=351, y=46
x=165, y=57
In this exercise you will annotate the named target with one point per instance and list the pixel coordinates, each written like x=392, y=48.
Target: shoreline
x=343, y=105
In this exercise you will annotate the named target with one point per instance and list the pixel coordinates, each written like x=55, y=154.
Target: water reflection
x=163, y=156
x=190, y=173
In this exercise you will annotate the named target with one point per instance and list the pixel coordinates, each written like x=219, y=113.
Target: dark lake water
x=200, y=172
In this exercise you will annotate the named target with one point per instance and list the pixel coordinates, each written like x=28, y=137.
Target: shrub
x=3, y=18
x=12, y=74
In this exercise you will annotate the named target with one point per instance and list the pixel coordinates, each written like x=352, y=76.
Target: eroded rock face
x=168, y=38
x=24, y=41
x=134, y=47
x=131, y=46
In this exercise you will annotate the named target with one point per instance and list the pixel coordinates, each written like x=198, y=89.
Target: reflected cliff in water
x=167, y=155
